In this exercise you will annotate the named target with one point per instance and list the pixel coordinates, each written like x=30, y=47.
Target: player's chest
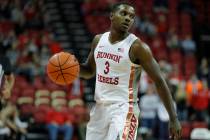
x=114, y=57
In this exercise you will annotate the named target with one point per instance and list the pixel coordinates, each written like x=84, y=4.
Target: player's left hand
x=175, y=129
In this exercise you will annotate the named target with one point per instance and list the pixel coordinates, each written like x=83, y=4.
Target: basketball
x=63, y=68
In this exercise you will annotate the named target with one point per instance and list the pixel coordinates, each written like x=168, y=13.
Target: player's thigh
x=97, y=126
x=124, y=123
x=92, y=134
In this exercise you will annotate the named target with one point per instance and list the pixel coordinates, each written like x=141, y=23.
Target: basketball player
x=9, y=116
x=117, y=57
x=7, y=79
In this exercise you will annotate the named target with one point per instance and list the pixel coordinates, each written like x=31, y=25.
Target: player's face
x=123, y=18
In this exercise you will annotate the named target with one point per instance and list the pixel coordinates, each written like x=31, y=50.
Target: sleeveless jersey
x=116, y=76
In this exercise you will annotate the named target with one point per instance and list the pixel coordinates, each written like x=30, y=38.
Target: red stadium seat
x=26, y=109
x=27, y=92
x=21, y=82
x=186, y=130
x=26, y=105
x=198, y=124
x=39, y=117
x=38, y=83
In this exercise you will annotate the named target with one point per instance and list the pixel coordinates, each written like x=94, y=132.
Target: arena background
x=177, y=31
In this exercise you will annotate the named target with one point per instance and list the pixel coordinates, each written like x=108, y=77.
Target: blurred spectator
x=180, y=97
x=162, y=24
x=81, y=118
x=145, y=26
x=43, y=58
x=6, y=40
x=23, y=39
x=158, y=47
x=26, y=65
x=55, y=47
x=172, y=39
x=188, y=45
x=204, y=71
x=186, y=6
x=13, y=53
x=193, y=86
x=166, y=68
x=17, y=15
x=148, y=107
x=31, y=46
x=30, y=13
x=200, y=103
x=175, y=77
x=143, y=84
x=59, y=121
x=5, y=9
x=7, y=79
x=76, y=89
x=162, y=114
x=177, y=84
x=162, y=122
x=160, y=5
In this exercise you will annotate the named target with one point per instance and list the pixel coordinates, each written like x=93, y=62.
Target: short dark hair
x=116, y=6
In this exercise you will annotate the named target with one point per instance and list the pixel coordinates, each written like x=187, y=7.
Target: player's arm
x=141, y=54
x=88, y=69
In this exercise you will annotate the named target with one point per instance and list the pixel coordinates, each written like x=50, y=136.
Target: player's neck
x=116, y=36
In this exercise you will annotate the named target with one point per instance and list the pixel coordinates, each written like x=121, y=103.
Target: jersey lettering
x=106, y=71
x=110, y=56
x=132, y=130
x=115, y=72
x=108, y=80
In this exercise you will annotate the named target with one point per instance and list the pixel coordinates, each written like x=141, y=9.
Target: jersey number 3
x=107, y=65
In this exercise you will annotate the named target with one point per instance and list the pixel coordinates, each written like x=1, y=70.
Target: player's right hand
x=175, y=129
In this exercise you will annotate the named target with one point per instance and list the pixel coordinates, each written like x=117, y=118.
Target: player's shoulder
x=96, y=40
x=97, y=37
x=139, y=44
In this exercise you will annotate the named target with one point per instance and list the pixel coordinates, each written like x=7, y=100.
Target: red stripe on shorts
x=131, y=121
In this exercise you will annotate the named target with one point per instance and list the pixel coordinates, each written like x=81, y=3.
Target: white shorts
x=115, y=121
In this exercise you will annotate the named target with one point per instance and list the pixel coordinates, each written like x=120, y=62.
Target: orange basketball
x=63, y=68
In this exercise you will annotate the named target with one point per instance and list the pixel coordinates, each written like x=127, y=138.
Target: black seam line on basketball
x=53, y=64
x=65, y=61
x=63, y=69
x=68, y=74
x=60, y=65
x=57, y=77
